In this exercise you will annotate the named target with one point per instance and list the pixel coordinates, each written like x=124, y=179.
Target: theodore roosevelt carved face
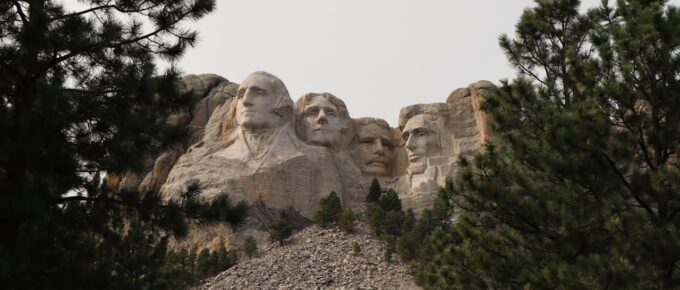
x=374, y=146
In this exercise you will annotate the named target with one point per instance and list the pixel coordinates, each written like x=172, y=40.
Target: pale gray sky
x=376, y=55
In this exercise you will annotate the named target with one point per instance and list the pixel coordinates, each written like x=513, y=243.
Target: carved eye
x=387, y=144
x=311, y=113
x=331, y=113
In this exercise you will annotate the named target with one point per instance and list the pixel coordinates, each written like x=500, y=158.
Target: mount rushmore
x=253, y=143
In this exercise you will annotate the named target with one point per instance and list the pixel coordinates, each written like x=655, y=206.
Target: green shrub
x=346, y=222
x=356, y=249
x=250, y=246
x=375, y=215
x=328, y=211
x=281, y=229
x=374, y=191
x=390, y=201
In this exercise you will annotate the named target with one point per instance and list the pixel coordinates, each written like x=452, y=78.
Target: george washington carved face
x=261, y=100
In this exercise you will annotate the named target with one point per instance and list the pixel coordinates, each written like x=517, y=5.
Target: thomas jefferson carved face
x=421, y=134
x=321, y=122
x=257, y=102
x=374, y=148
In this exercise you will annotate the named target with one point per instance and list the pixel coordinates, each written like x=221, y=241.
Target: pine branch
x=20, y=11
x=100, y=46
x=637, y=198
x=107, y=6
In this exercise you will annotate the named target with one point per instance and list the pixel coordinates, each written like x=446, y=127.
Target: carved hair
x=438, y=110
x=365, y=121
x=369, y=120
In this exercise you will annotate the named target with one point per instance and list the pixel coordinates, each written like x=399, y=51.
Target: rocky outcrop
x=255, y=155
x=254, y=144
x=209, y=91
x=317, y=258
x=469, y=121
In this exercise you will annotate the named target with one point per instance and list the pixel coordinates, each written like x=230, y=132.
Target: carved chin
x=252, y=123
x=417, y=168
x=321, y=139
x=375, y=168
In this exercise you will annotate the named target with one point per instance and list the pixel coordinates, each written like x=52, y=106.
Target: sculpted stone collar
x=273, y=148
x=258, y=143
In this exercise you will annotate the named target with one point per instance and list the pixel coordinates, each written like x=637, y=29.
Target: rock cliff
x=252, y=142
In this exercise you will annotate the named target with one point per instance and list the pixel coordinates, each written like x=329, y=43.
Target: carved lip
x=376, y=163
x=319, y=130
x=413, y=157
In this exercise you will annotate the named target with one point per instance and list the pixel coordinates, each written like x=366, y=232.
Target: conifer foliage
x=281, y=229
x=250, y=246
x=580, y=191
x=374, y=191
x=80, y=95
x=328, y=210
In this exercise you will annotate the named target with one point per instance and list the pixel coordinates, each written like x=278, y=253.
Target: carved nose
x=409, y=144
x=321, y=119
x=247, y=99
x=378, y=147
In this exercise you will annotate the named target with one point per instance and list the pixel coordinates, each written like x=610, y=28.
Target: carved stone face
x=321, y=122
x=256, y=102
x=421, y=134
x=374, y=149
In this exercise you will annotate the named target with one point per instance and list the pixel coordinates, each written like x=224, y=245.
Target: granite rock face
x=253, y=143
x=317, y=258
x=256, y=155
x=209, y=91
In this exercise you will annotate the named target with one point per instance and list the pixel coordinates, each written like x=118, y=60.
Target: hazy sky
x=376, y=55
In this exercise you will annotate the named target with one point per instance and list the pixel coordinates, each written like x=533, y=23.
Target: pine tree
x=580, y=190
x=374, y=191
x=281, y=229
x=390, y=242
x=390, y=201
x=250, y=246
x=411, y=237
x=192, y=266
x=225, y=260
x=80, y=95
x=205, y=263
x=393, y=222
x=328, y=210
x=375, y=215
x=346, y=221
